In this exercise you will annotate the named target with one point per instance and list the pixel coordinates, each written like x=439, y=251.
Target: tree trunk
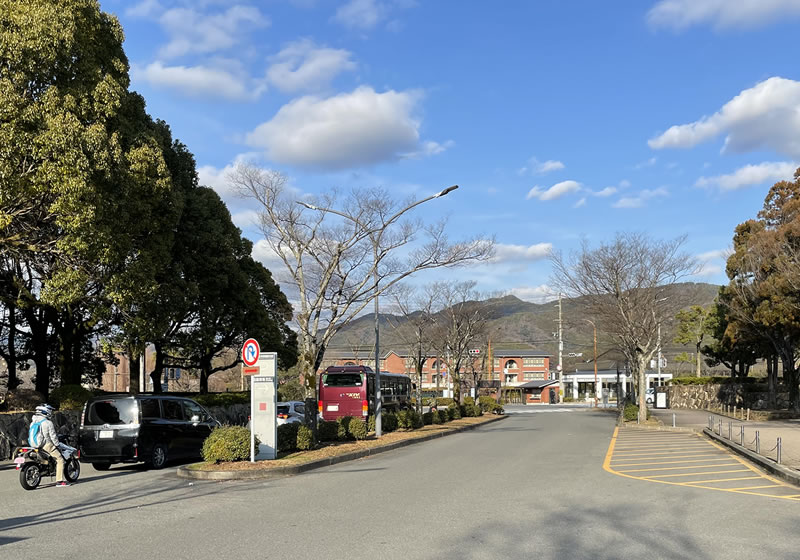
x=697, y=355
x=771, y=378
x=205, y=373
x=68, y=338
x=11, y=362
x=641, y=364
x=158, y=369
x=134, y=361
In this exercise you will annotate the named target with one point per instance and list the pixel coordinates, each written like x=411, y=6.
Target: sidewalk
x=787, y=430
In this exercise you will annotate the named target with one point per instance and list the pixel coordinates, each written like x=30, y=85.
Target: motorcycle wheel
x=30, y=476
x=72, y=470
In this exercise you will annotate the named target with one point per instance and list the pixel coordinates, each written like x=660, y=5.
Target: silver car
x=291, y=412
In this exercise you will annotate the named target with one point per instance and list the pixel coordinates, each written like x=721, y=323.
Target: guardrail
x=756, y=442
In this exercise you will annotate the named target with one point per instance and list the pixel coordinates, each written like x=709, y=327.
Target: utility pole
x=560, y=355
x=658, y=382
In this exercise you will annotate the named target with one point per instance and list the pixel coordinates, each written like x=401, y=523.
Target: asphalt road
x=530, y=486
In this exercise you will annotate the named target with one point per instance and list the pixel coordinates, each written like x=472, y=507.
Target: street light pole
x=594, y=329
x=375, y=237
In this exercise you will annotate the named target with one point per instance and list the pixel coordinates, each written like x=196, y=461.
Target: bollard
x=730, y=428
x=741, y=435
x=758, y=444
x=779, y=451
x=673, y=419
x=711, y=422
x=748, y=414
x=719, y=427
x=734, y=411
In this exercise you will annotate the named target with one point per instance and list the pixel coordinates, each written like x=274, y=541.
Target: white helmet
x=45, y=410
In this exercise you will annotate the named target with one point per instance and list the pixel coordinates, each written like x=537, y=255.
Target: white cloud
x=639, y=201
x=706, y=270
x=535, y=294
x=580, y=203
x=767, y=172
x=200, y=81
x=361, y=14
x=556, y=191
x=541, y=167
x=648, y=163
x=195, y=32
x=217, y=179
x=764, y=116
x=145, y=8
x=515, y=253
x=303, y=66
x=680, y=14
x=429, y=148
x=712, y=255
x=351, y=129
x=608, y=191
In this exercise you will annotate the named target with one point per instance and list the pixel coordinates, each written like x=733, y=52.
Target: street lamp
x=375, y=235
x=594, y=328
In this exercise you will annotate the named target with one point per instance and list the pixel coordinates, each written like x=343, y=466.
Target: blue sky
x=559, y=120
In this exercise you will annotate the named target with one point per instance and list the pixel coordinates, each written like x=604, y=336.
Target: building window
x=530, y=376
x=511, y=378
x=533, y=362
x=511, y=364
x=497, y=362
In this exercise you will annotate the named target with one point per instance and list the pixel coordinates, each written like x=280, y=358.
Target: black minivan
x=142, y=428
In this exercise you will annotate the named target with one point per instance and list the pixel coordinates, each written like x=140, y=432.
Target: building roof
x=540, y=384
x=504, y=353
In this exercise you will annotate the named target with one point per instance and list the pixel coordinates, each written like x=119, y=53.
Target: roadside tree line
x=106, y=238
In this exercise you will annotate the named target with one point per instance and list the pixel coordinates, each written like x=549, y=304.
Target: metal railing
x=754, y=445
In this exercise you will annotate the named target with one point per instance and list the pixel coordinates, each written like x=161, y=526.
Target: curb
x=278, y=472
x=785, y=473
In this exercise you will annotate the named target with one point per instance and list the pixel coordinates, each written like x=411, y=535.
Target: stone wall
x=14, y=426
x=741, y=395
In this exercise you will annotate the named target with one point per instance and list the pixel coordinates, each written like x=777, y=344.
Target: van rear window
x=114, y=413
x=342, y=380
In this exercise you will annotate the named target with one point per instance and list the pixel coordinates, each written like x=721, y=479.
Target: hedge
x=714, y=380
x=631, y=412
x=358, y=428
x=70, y=397
x=305, y=438
x=227, y=444
x=287, y=436
x=222, y=399
x=328, y=430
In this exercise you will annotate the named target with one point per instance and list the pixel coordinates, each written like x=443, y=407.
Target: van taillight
x=364, y=407
x=319, y=407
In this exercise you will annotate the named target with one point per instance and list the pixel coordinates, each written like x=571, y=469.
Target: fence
x=753, y=445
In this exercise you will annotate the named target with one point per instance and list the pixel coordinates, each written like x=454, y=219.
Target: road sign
x=475, y=351
x=252, y=370
x=250, y=352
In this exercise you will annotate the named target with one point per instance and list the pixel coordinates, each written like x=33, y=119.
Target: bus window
x=342, y=380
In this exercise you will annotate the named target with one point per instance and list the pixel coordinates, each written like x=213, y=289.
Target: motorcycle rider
x=42, y=434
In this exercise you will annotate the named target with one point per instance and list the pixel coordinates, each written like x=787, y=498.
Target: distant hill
x=521, y=324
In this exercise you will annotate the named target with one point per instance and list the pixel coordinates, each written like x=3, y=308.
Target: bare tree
x=338, y=261
x=623, y=285
x=461, y=325
x=415, y=309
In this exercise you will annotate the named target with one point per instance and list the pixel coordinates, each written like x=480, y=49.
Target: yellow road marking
x=652, y=476
x=710, y=480
x=669, y=456
x=631, y=438
x=756, y=487
x=671, y=462
x=681, y=468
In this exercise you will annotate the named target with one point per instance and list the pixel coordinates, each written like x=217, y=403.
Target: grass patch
x=326, y=450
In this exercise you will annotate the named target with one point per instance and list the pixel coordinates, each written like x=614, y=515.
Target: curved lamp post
x=594, y=328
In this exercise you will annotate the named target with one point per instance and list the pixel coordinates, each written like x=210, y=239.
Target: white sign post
x=263, y=408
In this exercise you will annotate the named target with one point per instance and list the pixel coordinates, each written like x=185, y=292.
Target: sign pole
x=252, y=431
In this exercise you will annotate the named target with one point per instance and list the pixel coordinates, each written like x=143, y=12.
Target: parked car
x=291, y=412
x=650, y=395
x=142, y=428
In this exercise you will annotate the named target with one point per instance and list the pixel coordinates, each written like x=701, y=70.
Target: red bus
x=350, y=391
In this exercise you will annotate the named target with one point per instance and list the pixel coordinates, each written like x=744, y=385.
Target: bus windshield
x=343, y=380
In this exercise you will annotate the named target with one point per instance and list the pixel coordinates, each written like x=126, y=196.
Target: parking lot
x=688, y=459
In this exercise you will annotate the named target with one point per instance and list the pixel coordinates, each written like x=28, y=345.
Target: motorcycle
x=34, y=463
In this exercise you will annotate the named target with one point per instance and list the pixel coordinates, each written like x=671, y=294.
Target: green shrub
x=70, y=397
x=287, y=436
x=714, y=380
x=456, y=412
x=427, y=418
x=498, y=409
x=437, y=418
x=371, y=423
x=631, y=412
x=476, y=410
x=444, y=401
x=305, y=438
x=469, y=400
x=388, y=422
x=569, y=399
x=451, y=413
x=404, y=420
x=222, y=399
x=443, y=417
x=328, y=430
x=227, y=444
x=416, y=420
x=343, y=423
x=23, y=399
x=487, y=404
x=358, y=428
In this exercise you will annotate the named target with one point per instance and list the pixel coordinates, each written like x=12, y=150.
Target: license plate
x=106, y=434
x=19, y=460
x=333, y=407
